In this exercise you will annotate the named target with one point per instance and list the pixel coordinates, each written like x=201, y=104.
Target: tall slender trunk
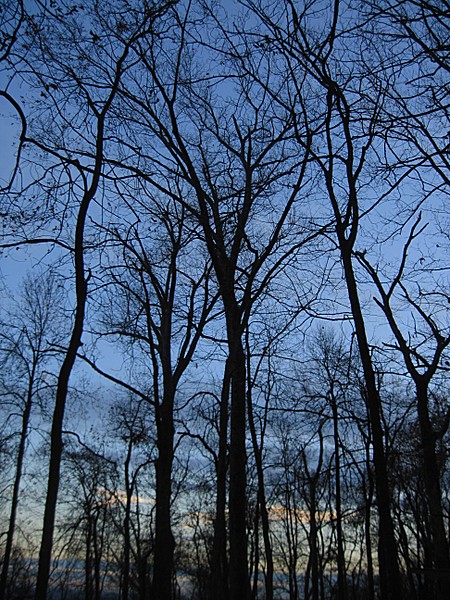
x=127, y=523
x=56, y=442
x=316, y=574
x=88, y=591
x=16, y=488
x=410, y=563
x=431, y=480
x=291, y=531
x=97, y=558
x=367, y=489
x=313, y=550
x=293, y=559
x=219, y=569
x=439, y=545
x=239, y=580
x=390, y=581
x=263, y=513
x=163, y=569
x=340, y=538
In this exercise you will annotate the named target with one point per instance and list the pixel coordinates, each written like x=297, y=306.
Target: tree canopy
x=225, y=374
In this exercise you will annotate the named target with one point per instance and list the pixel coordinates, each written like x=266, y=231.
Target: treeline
x=226, y=374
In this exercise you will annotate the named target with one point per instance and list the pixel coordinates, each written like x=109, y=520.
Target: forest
x=225, y=315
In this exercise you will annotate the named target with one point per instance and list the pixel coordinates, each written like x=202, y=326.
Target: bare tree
x=423, y=360
x=88, y=485
x=30, y=330
x=160, y=300
x=345, y=134
x=64, y=65
x=202, y=180
x=233, y=163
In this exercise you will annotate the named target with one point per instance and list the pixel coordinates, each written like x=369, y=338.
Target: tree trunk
x=16, y=488
x=390, y=581
x=97, y=559
x=127, y=523
x=262, y=505
x=88, y=591
x=431, y=480
x=340, y=538
x=239, y=581
x=219, y=567
x=367, y=489
x=56, y=442
x=164, y=541
x=313, y=550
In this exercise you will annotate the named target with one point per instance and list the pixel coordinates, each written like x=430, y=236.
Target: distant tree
x=290, y=538
x=130, y=423
x=88, y=484
x=160, y=300
x=330, y=383
x=207, y=426
x=31, y=331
